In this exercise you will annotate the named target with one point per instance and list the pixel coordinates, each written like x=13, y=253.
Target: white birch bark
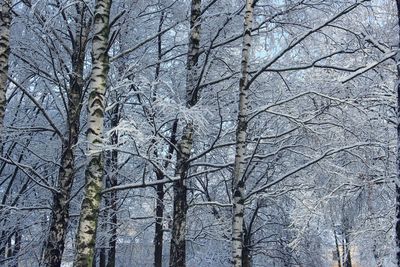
x=238, y=189
x=86, y=235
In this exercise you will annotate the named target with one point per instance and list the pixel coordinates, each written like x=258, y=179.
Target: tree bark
x=113, y=198
x=178, y=240
x=347, y=250
x=86, y=234
x=159, y=234
x=398, y=144
x=247, y=262
x=238, y=189
x=54, y=246
x=5, y=26
x=337, y=249
x=158, y=231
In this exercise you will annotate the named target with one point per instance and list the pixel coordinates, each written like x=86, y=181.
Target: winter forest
x=199, y=133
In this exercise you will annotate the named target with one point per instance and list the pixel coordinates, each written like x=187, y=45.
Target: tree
x=315, y=145
x=239, y=174
x=5, y=26
x=54, y=246
x=185, y=144
x=86, y=234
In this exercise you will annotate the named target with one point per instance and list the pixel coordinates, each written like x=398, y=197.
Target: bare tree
x=238, y=183
x=54, y=246
x=185, y=144
x=86, y=235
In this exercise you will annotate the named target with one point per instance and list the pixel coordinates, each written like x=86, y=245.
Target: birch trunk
x=54, y=246
x=5, y=25
x=238, y=189
x=398, y=144
x=86, y=234
x=178, y=239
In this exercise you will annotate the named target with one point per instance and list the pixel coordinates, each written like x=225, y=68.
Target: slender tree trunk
x=108, y=250
x=54, y=246
x=238, y=189
x=9, y=246
x=247, y=262
x=246, y=257
x=17, y=247
x=159, y=234
x=112, y=242
x=347, y=250
x=178, y=240
x=86, y=234
x=103, y=250
x=337, y=249
x=343, y=253
x=158, y=231
x=377, y=258
x=5, y=25
x=398, y=144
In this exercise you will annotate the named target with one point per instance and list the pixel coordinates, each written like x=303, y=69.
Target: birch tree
x=318, y=132
x=238, y=189
x=86, y=234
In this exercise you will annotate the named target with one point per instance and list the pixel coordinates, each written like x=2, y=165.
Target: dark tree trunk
x=158, y=232
x=54, y=246
x=178, y=239
x=104, y=227
x=102, y=257
x=113, y=198
x=107, y=252
x=337, y=249
x=347, y=251
x=247, y=262
x=178, y=242
x=158, y=236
